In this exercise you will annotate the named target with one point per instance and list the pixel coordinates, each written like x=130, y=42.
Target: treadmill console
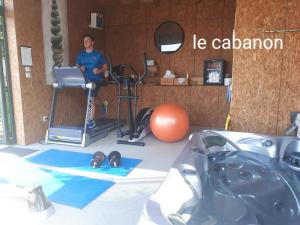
x=69, y=77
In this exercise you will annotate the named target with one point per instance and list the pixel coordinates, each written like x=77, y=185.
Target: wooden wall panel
x=135, y=46
x=157, y=13
x=289, y=91
x=266, y=82
x=182, y=62
x=33, y=96
x=229, y=8
x=179, y=95
x=196, y=17
x=114, y=43
x=252, y=16
x=152, y=96
x=183, y=11
x=293, y=14
x=258, y=99
x=209, y=9
x=162, y=60
x=223, y=107
x=14, y=70
x=129, y=31
x=70, y=108
x=123, y=48
x=109, y=94
x=118, y=15
x=78, y=25
x=209, y=30
x=204, y=106
x=227, y=54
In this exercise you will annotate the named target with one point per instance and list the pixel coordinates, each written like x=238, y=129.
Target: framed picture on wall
x=213, y=72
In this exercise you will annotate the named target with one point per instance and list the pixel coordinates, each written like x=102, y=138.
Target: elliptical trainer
x=139, y=124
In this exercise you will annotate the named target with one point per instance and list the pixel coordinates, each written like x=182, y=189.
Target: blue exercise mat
x=61, y=188
x=76, y=191
x=81, y=161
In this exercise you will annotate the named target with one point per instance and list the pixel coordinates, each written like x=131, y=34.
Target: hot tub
x=230, y=178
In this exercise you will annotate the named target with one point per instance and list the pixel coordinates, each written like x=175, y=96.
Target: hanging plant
x=56, y=37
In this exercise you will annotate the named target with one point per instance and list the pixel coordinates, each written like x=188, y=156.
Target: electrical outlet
x=45, y=118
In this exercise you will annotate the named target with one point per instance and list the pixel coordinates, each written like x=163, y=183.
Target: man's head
x=88, y=41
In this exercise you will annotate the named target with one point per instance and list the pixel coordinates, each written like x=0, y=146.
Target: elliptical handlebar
x=110, y=70
x=141, y=78
x=123, y=66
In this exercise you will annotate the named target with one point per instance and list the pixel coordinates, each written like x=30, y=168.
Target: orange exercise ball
x=169, y=122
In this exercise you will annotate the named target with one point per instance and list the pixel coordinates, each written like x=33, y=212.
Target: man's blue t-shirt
x=91, y=60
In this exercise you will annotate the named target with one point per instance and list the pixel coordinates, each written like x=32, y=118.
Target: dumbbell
x=114, y=159
x=98, y=159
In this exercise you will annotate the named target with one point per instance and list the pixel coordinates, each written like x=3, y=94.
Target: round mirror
x=169, y=37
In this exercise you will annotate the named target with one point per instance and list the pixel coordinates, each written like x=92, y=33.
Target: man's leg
x=92, y=117
x=94, y=95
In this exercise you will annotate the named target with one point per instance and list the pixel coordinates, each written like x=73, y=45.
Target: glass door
x=7, y=126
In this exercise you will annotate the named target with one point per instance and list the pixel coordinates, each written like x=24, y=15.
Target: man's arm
x=103, y=69
x=78, y=62
x=82, y=68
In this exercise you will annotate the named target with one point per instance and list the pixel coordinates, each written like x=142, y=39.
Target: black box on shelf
x=213, y=72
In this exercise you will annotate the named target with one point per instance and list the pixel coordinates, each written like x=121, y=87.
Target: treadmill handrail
x=70, y=86
x=90, y=85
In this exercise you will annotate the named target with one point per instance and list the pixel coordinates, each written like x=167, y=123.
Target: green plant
x=56, y=37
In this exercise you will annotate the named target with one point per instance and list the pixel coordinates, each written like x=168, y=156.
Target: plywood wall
x=289, y=89
x=266, y=81
x=129, y=32
x=78, y=25
x=206, y=105
x=32, y=97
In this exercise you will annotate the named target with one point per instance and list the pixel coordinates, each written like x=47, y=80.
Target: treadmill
x=72, y=77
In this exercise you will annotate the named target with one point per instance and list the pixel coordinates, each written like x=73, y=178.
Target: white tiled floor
x=122, y=203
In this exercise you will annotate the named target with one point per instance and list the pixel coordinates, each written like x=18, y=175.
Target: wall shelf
x=281, y=30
